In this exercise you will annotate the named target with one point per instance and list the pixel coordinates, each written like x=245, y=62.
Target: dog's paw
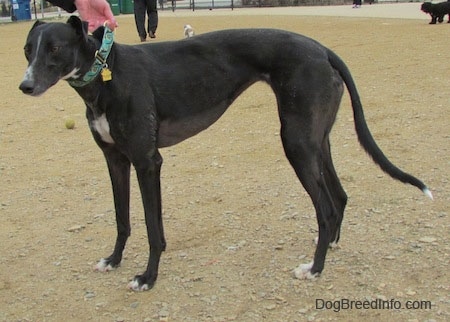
x=103, y=265
x=332, y=245
x=136, y=286
x=140, y=283
x=303, y=272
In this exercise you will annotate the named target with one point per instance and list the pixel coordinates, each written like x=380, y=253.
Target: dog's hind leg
x=307, y=160
x=119, y=170
x=337, y=192
x=307, y=108
x=150, y=186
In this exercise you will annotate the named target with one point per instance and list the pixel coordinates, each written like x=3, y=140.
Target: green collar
x=100, y=60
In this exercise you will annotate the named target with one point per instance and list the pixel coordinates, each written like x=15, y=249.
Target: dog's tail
x=364, y=136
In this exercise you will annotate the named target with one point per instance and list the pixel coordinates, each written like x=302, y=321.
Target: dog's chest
x=101, y=126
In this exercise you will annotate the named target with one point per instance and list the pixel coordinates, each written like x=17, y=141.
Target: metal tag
x=106, y=74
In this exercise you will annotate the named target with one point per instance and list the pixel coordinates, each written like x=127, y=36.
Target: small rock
x=427, y=239
x=89, y=295
x=311, y=318
x=75, y=228
x=280, y=299
x=289, y=216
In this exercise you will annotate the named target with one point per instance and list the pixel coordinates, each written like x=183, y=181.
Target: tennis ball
x=70, y=124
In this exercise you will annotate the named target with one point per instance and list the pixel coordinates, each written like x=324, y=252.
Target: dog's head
x=55, y=51
x=426, y=7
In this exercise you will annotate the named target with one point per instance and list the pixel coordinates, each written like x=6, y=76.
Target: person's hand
x=97, y=13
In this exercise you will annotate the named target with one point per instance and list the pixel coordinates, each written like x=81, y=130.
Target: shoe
x=143, y=39
x=151, y=34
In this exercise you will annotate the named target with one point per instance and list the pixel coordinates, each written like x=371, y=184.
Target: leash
x=99, y=65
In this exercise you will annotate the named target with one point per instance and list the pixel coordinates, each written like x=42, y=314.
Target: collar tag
x=106, y=74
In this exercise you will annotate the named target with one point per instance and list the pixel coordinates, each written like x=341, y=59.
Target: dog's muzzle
x=33, y=87
x=27, y=87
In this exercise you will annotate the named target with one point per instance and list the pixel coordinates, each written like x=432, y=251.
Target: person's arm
x=68, y=5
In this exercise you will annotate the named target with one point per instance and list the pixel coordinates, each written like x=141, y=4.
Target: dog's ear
x=81, y=27
x=98, y=33
x=37, y=23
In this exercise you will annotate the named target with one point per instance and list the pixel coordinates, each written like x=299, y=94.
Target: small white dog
x=188, y=31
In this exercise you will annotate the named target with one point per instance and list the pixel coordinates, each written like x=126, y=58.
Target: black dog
x=437, y=11
x=163, y=93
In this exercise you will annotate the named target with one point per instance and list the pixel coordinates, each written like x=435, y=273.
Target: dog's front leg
x=150, y=186
x=119, y=171
x=433, y=19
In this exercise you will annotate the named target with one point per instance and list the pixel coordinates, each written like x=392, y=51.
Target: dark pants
x=141, y=7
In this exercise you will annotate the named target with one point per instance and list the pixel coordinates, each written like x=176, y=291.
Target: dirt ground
x=237, y=220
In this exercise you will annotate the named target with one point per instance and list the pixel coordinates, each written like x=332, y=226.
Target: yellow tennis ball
x=70, y=124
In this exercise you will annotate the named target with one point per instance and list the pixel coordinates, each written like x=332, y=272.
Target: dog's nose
x=27, y=87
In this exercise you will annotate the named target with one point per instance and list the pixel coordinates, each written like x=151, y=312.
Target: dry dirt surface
x=237, y=220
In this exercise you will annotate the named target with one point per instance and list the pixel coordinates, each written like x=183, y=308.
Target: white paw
x=332, y=245
x=303, y=272
x=134, y=285
x=103, y=266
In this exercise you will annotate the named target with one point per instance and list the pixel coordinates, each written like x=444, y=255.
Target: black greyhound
x=163, y=93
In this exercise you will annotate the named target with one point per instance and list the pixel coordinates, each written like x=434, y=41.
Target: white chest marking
x=101, y=126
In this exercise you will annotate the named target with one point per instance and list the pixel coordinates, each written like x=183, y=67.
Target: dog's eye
x=54, y=49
